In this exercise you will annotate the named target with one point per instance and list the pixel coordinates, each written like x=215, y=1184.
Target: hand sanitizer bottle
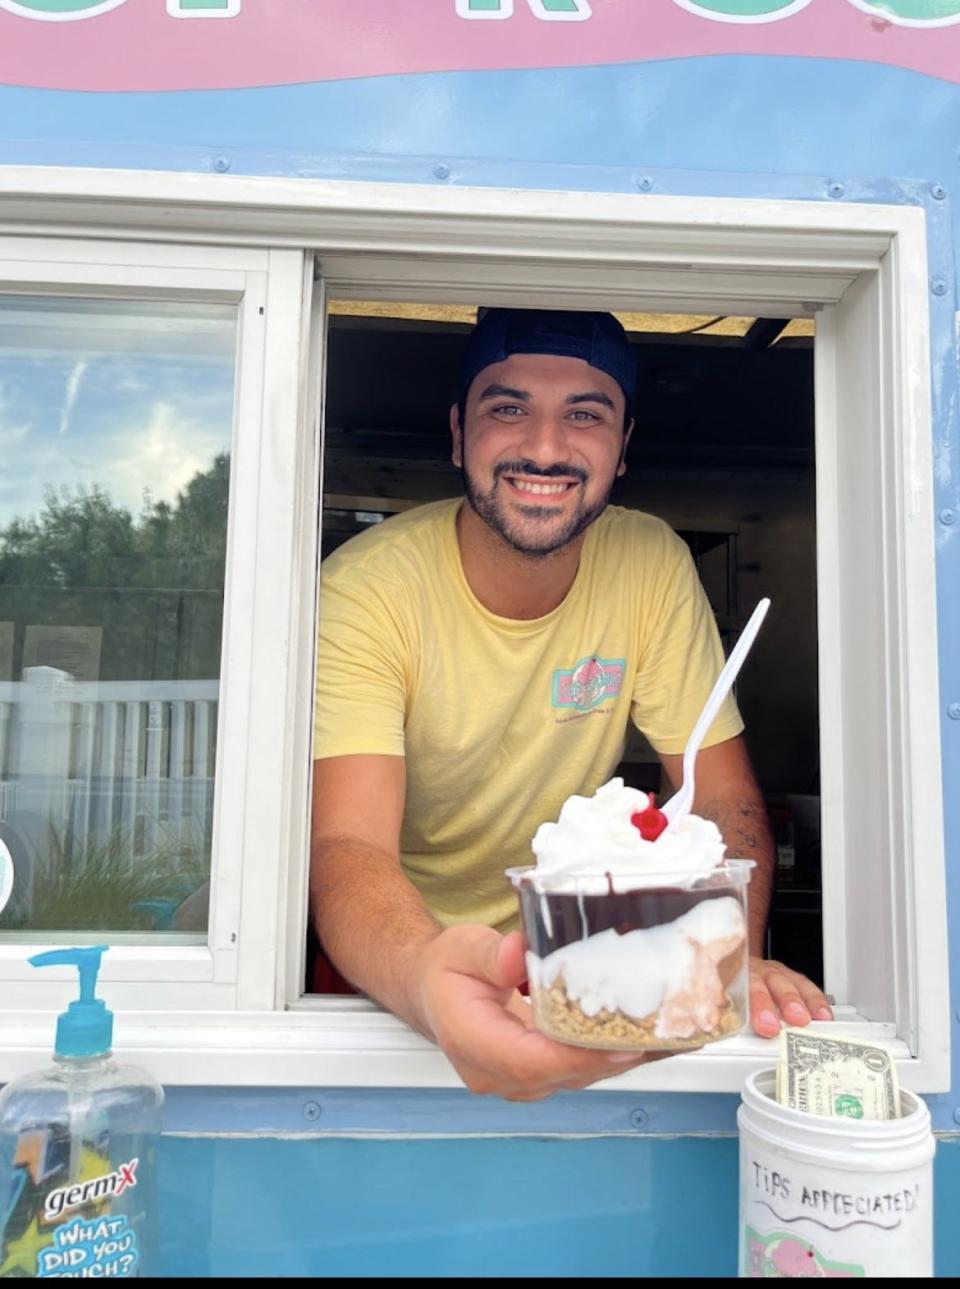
x=77, y=1150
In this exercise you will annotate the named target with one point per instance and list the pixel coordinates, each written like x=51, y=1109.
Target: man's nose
x=545, y=440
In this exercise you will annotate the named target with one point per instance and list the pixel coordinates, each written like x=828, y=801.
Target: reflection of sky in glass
x=133, y=397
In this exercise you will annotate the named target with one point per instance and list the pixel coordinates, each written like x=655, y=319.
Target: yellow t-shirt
x=501, y=720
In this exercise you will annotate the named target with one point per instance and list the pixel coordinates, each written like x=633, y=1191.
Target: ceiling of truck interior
x=714, y=392
x=647, y=323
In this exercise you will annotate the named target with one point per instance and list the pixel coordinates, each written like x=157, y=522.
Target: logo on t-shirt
x=588, y=683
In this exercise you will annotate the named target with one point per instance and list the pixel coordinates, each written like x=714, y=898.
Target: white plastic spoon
x=681, y=801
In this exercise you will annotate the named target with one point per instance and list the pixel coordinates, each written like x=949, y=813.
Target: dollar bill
x=835, y=1076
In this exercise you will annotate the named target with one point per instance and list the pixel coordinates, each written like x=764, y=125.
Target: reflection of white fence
x=127, y=759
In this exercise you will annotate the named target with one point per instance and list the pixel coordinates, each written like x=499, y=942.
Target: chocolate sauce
x=574, y=917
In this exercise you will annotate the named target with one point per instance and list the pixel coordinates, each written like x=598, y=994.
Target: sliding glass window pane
x=115, y=427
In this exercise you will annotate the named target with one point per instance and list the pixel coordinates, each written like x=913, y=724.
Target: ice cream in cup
x=636, y=928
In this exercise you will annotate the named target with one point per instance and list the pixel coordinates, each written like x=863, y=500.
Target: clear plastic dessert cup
x=636, y=961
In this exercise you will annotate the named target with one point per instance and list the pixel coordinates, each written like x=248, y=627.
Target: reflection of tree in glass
x=81, y=538
x=154, y=582
x=99, y=888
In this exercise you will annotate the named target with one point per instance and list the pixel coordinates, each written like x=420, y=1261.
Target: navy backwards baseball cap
x=597, y=338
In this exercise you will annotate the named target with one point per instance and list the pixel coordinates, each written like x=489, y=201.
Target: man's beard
x=492, y=510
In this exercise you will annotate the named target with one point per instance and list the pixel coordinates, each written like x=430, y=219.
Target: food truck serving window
x=163, y=383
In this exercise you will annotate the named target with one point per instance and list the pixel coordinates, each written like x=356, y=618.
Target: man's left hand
x=780, y=993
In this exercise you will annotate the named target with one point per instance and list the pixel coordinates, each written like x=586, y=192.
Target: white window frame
x=265, y=286
x=863, y=270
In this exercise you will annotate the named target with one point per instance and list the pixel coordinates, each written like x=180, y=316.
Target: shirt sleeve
x=680, y=657
x=362, y=664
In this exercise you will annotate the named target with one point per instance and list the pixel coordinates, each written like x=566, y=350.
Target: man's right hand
x=468, y=978
x=456, y=986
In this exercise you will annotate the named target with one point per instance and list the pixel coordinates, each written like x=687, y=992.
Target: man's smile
x=536, y=488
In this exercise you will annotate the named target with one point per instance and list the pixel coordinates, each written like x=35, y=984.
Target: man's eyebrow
x=594, y=396
x=523, y=396
x=504, y=391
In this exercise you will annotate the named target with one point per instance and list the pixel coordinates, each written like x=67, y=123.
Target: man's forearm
x=745, y=827
x=372, y=923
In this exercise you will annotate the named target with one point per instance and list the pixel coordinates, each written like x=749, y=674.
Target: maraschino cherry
x=650, y=822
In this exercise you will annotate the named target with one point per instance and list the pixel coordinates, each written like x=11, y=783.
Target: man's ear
x=622, y=467
x=456, y=433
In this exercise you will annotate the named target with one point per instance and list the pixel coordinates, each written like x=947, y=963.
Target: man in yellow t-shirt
x=500, y=719
x=478, y=661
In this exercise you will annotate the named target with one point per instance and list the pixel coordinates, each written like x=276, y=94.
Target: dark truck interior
x=723, y=450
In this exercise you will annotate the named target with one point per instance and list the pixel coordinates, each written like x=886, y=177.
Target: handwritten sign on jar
x=833, y=1197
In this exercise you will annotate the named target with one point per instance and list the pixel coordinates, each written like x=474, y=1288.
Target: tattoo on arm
x=745, y=827
x=743, y=824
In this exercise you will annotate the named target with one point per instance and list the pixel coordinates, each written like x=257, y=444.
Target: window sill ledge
x=351, y=1043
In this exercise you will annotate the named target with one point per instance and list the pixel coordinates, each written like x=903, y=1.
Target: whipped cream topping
x=594, y=838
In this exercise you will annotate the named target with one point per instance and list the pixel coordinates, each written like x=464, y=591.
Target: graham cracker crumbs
x=560, y=1017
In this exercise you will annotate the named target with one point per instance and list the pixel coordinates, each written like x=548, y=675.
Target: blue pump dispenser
x=86, y=1027
x=78, y=1144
